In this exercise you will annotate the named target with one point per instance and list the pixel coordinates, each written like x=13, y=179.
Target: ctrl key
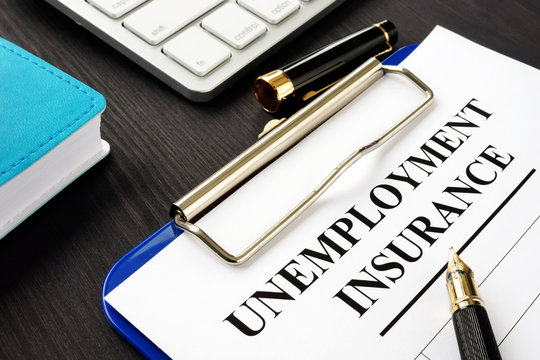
x=197, y=50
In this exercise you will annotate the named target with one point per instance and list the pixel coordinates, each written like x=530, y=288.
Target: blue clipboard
x=146, y=250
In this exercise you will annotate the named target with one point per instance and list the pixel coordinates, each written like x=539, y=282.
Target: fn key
x=197, y=50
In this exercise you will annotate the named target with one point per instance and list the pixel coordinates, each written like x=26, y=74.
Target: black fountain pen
x=473, y=331
x=302, y=80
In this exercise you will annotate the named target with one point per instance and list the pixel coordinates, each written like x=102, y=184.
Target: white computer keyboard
x=198, y=47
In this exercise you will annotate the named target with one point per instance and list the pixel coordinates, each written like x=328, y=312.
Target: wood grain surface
x=53, y=265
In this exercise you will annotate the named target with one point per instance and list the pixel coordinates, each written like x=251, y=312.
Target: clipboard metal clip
x=282, y=137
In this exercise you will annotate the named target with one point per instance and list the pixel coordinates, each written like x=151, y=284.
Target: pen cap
x=303, y=79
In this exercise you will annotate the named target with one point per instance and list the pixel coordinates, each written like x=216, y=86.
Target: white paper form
x=360, y=274
x=512, y=300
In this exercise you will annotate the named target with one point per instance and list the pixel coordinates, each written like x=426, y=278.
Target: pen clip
x=271, y=125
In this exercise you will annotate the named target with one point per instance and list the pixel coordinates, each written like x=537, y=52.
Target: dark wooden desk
x=53, y=265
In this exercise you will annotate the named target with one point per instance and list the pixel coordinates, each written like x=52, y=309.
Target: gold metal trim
x=387, y=37
x=384, y=32
x=272, y=88
x=284, y=136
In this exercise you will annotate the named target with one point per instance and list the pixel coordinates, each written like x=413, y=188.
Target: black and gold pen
x=471, y=323
x=302, y=80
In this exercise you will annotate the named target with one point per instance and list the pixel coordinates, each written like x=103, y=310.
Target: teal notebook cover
x=40, y=107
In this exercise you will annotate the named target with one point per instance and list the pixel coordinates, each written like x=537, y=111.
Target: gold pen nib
x=455, y=263
x=460, y=284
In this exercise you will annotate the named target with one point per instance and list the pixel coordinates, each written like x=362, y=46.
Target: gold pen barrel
x=473, y=330
x=460, y=284
x=277, y=141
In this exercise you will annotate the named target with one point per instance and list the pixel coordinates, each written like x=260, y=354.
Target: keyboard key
x=116, y=8
x=234, y=25
x=273, y=11
x=161, y=18
x=197, y=50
